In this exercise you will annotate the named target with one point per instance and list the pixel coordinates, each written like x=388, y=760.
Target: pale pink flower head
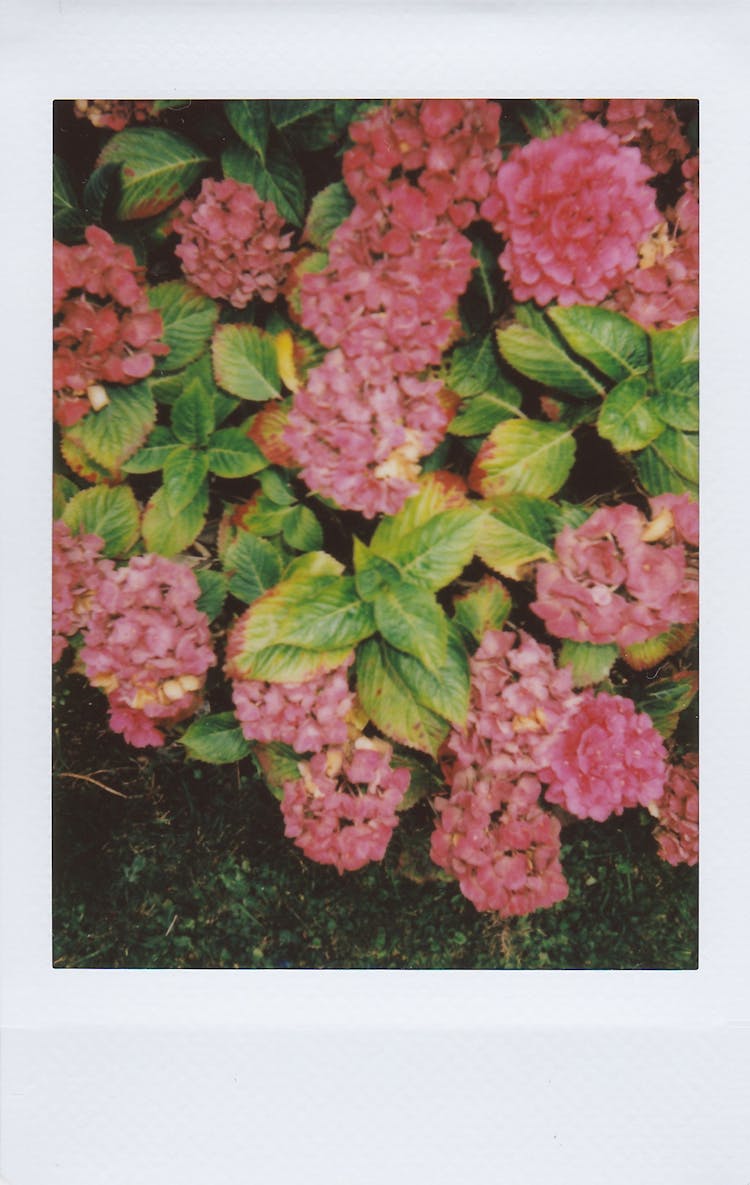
x=606, y=757
x=78, y=569
x=574, y=209
x=342, y=810
x=148, y=647
x=677, y=812
x=232, y=244
x=502, y=848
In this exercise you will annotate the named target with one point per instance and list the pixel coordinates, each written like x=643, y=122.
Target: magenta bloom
x=677, y=812
x=78, y=569
x=148, y=647
x=503, y=850
x=358, y=432
x=620, y=577
x=231, y=243
x=342, y=808
x=452, y=144
x=574, y=210
x=114, y=114
x=105, y=329
x=650, y=124
x=606, y=757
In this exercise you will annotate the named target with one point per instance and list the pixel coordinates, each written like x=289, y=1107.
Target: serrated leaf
x=541, y=359
x=373, y=574
x=657, y=477
x=279, y=764
x=264, y=517
x=447, y=694
x=485, y=277
x=167, y=388
x=63, y=489
x=590, y=663
x=665, y=699
x=627, y=418
x=390, y=703
x=188, y=317
x=193, y=415
x=78, y=460
x=110, y=512
x=253, y=566
x=437, y=552
x=474, y=367
x=279, y=180
x=244, y=360
x=276, y=488
x=523, y=457
x=675, y=360
x=410, y=619
x=616, y=345
x=641, y=656
x=158, y=167
x=101, y=191
x=435, y=495
x=485, y=607
x=285, y=112
x=232, y=454
x=68, y=221
x=111, y=436
x=213, y=586
x=154, y=453
x=294, y=664
x=679, y=450
x=251, y=120
x=482, y=413
x=301, y=529
x=313, y=563
x=328, y=210
x=677, y=411
x=168, y=533
x=517, y=531
x=216, y=739
x=185, y=472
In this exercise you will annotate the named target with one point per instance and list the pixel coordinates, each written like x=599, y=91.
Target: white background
x=181, y=1077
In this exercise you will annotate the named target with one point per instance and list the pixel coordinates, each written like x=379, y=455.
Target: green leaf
x=677, y=411
x=313, y=563
x=523, y=457
x=111, y=436
x=276, y=488
x=265, y=517
x=410, y=619
x=437, y=552
x=641, y=656
x=328, y=210
x=482, y=413
x=63, y=489
x=657, y=477
x=474, y=368
x=250, y=119
x=213, y=586
x=158, y=167
x=373, y=574
x=390, y=703
x=167, y=388
x=245, y=362
x=193, y=415
x=279, y=180
x=544, y=360
x=679, y=450
x=301, y=529
x=253, y=566
x=294, y=664
x=447, y=694
x=432, y=498
x=216, y=739
x=189, y=318
x=101, y=191
x=168, y=533
x=154, y=453
x=485, y=277
x=665, y=699
x=185, y=472
x=675, y=360
x=77, y=459
x=518, y=531
x=617, y=346
x=485, y=607
x=108, y=511
x=279, y=764
x=285, y=112
x=68, y=221
x=590, y=663
x=232, y=454
x=626, y=418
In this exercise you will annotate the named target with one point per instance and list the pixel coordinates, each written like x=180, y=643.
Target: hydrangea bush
x=376, y=462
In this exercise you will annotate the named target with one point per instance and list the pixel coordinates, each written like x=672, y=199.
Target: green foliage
x=590, y=663
x=111, y=436
x=517, y=531
x=189, y=318
x=485, y=607
x=245, y=362
x=169, y=533
x=328, y=210
x=217, y=740
x=157, y=168
x=276, y=179
x=524, y=457
x=111, y=513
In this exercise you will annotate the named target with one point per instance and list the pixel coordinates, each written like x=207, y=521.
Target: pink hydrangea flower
x=342, y=808
x=605, y=757
x=78, y=569
x=453, y=145
x=308, y=716
x=677, y=812
x=518, y=700
x=114, y=114
x=617, y=578
x=392, y=283
x=358, y=432
x=105, y=329
x=232, y=244
x=650, y=124
x=502, y=848
x=148, y=647
x=574, y=209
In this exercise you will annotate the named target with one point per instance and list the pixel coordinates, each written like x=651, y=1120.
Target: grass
x=191, y=869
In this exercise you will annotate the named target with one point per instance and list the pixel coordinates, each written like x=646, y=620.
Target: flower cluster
x=607, y=757
x=232, y=244
x=452, y=143
x=574, y=210
x=358, y=432
x=677, y=812
x=502, y=848
x=78, y=569
x=342, y=808
x=114, y=114
x=105, y=329
x=620, y=577
x=662, y=291
x=308, y=716
x=650, y=124
x=148, y=646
